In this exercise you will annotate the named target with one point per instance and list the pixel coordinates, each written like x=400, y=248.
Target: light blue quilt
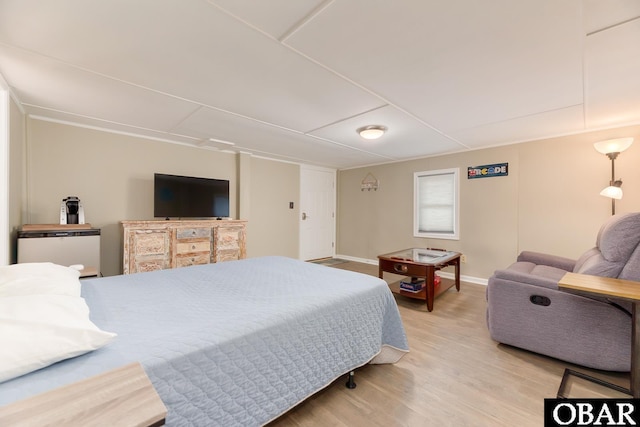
x=234, y=343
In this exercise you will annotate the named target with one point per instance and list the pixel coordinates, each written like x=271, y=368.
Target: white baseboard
x=445, y=274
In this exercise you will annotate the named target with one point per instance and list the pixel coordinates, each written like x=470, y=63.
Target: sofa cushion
x=547, y=272
x=619, y=237
x=529, y=273
x=522, y=267
x=631, y=270
x=592, y=262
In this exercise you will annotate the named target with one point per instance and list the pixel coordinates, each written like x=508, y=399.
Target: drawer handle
x=400, y=268
x=193, y=246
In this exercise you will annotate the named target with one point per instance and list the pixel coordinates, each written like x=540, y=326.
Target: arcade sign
x=488, y=171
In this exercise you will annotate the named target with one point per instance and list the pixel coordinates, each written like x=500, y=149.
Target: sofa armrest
x=508, y=275
x=539, y=258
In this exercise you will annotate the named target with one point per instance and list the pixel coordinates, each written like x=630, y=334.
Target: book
x=412, y=285
x=413, y=291
x=416, y=285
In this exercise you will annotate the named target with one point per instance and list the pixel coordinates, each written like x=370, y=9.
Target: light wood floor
x=454, y=375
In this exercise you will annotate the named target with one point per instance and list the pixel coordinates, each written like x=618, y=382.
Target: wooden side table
x=420, y=262
x=626, y=290
x=120, y=397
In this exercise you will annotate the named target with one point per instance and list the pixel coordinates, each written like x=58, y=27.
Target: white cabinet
x=59, y=245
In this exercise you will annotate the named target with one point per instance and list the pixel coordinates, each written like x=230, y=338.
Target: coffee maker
x=71, y=211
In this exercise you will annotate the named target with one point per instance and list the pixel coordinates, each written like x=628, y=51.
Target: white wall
x=113, y=176
x=549, y=202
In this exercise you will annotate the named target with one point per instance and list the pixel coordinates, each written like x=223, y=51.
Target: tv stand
x=163, y=244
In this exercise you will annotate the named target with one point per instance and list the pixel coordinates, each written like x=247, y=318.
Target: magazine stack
x=412, y=284
x=415, y=285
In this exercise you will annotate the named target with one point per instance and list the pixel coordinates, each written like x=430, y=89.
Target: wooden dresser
x=157, y=245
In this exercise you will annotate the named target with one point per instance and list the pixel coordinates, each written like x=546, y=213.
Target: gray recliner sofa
x=527, y=310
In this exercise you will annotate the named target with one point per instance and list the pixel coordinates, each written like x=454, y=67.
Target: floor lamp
x=611, y=148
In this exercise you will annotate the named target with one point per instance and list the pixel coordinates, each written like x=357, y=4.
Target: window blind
x=436, y=204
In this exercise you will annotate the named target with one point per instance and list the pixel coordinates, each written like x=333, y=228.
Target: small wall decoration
x=369, y=183
x=488, y=171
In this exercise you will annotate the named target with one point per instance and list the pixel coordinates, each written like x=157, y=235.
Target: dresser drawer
x=149, y=243
x=195, y=246
x=193, y=233
x=228, y=255
x=146, y=250
x=229, y=237
x=141, y=265
x=405, y=268
x=195, y=259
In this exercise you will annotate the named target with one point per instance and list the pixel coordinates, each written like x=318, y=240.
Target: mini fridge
x=64, y=247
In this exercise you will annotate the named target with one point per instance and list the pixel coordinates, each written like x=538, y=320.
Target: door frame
x=5, y=108
x=303, y=168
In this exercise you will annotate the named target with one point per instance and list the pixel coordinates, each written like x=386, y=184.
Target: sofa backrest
x=617, y=251
x=631, y=270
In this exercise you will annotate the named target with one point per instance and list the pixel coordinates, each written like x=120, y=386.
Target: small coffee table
x=420, y=263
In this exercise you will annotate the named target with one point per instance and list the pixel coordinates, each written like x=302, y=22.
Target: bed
x=234, y=343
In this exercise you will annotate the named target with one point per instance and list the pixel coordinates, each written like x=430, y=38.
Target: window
x=436, y=204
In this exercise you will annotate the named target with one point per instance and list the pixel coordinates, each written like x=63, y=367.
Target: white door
x=317, y=212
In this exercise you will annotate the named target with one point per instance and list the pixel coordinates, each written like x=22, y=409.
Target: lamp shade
x=612, y=192
x=371, y=132
x=617, y=145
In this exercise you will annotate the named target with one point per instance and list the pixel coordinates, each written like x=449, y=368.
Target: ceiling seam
x=306, y=19
x=191, y=114
x=237, y=145
x=350, y=147
x=612, y=26
x=195, y=103
x=291, y=36
x=200, y=105
x=584, y=70
x=382, y=98
x=334, y=72
x=111, y=130
x=346, y=118
x=520, y=117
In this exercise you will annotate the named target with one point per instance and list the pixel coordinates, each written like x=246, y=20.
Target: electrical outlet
x=463, y=258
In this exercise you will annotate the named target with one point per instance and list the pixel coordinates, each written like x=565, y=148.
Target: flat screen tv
x=190, y=197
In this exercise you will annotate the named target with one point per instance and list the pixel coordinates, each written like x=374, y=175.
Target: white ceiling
x=294, y=79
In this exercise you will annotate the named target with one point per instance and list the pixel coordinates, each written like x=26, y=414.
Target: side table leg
x=430, y=287
x=457, y=268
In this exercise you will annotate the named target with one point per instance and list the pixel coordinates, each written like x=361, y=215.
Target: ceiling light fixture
x=372, y=131
x=612, y=148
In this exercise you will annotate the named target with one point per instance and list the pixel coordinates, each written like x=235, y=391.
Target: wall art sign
x=488, y=171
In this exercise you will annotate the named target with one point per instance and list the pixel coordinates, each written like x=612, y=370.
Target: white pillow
x=38, y=330
x=39, y=278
